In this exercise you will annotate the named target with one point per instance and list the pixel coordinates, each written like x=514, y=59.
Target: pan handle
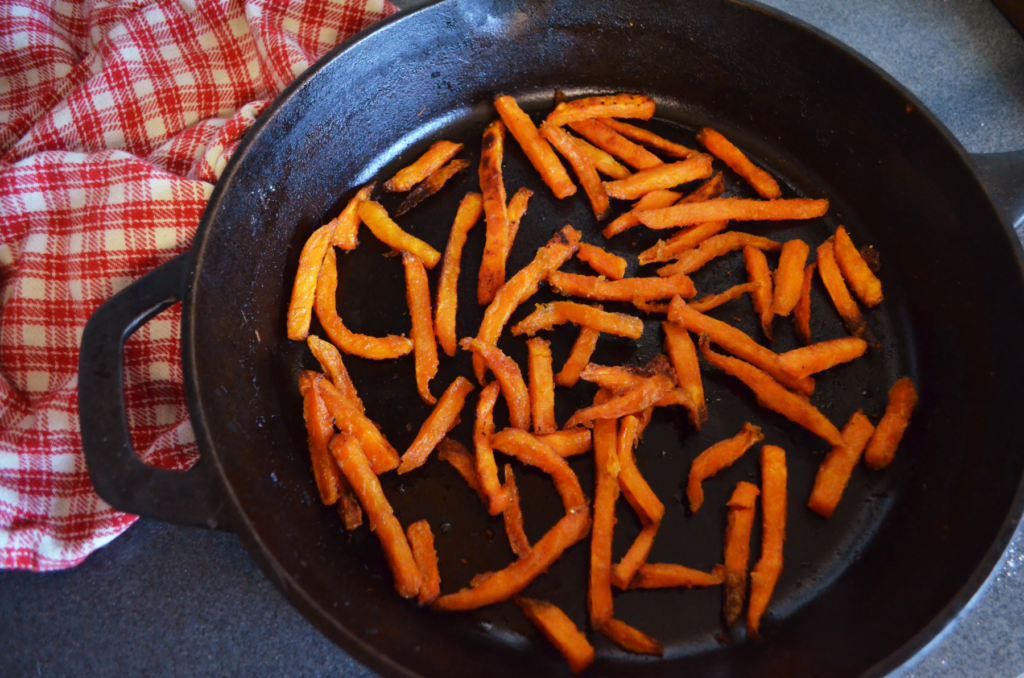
x=1003, y=176
x=188, y=497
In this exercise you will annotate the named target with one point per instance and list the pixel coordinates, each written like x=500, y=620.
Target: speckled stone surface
x=165, y=600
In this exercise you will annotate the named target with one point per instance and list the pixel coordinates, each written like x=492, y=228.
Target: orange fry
x=734, y=209
x=456, y=454
x=649, y=139
x=559, y=312
x=616, y=105
x=834, y=473
x=605, y=263
x=300, y=308
x=606, y=493
x=687, y=239
x=738, y=343
x=802, y=310
x=705, y=304
x=683, y=354
x=513, y=517
x=346, y=224
x=498, y=238
x=640, y=398
x=717, y=457
x=522, y=286
x=636, y=490
x=568, y=443
x=431, y=185
x=559, y=629
x=789, y=276
x=423, y=342
x=865, y=284
x=506, y=583
x=670, y=575
x=766, y=572
x=581, y=164
x=773, y=395
x=388, y=232
x=662, y=176
x=840, y=294
x=421, y=540
x=486, y=468
x=374, y=445
x=629, y=638
x=627, y=289
x=716, y=246
x=349, y=455
x=579, y=357
x=882, y=447
x=531, y=450
x=761, y=296
x=624, y=570
x=614, y=143
x=737, y=547
x=466, y=218
x=536, y=149
x=320, y=427
x=442, y=420
x=507, y=372
x=603, y=160
x=724, y=150
x=650, y=201
x=619, y=379
x=803, y=362
x=542, y=386
x=428, y=163
x=651, y=306
x=330, y=360
x=517, y=205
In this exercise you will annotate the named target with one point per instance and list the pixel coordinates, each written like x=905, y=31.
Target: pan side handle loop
x=189, y=497
x=1003, y=176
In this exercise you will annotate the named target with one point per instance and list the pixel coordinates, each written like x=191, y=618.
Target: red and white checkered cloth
x=116, y=119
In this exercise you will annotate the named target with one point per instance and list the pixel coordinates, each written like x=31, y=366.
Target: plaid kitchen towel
x=116, y=119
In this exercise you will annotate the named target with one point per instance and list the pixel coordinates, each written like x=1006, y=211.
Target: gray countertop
x=168, y=600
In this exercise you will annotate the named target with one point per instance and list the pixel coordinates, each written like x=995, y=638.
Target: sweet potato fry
x=606, y=493
x=346, y=224
x=568, y=443
x=773, y=395
x=834, y=473
x=330, y=360
x=636, y=490
x=431, y=185
x=492, y=185
x=627, y=289
x=839, y=293
x=789, y=276
x=724, y=150
x=320, y=427
x=649, y=201
x=374, y=445
x=466, y=218
x=865, y=284
x=773, y=534
x=605, y=263
x=522, y=286
x=536, y=149
x=603, y=160
x=651, y=307
x=442, y=420
x=759, y=273
x=513, y=517
x=579, y=357
x=388, y=232
x=515, y=210
x=533, y=451
x=349, y=509
x=717, y=457
x=428, y=163
x=619, y=379
x=734, y=209
x=311, y=259
x=421, y=540
x=559, y=629
x=705, y=304
x=740, y=521
x=462, y=460
x=507, y=372
x=417, y=292
x=803, y=362
x=649, y=139
x=631, y=402
x=616, y=105
x=716, y=246
x=631, y=639
x=687, y=239
x=542, y=386
x=506, y=583
x=661, y=176
x=558, y=312
x=624, y=570
x=882, y=447
x=349, y=454
x=486, y=468
x=683, y=354
x=802, y=310
x=670, y=575
x=739, y=344
x=581, y=164
x=614, y=143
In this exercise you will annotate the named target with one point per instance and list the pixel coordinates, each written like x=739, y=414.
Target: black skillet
x=861, y=593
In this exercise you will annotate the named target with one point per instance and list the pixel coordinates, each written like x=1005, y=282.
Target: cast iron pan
x=860, y=593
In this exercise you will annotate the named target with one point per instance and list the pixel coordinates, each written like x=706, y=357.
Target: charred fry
x=498, y=239
x=431, y=185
